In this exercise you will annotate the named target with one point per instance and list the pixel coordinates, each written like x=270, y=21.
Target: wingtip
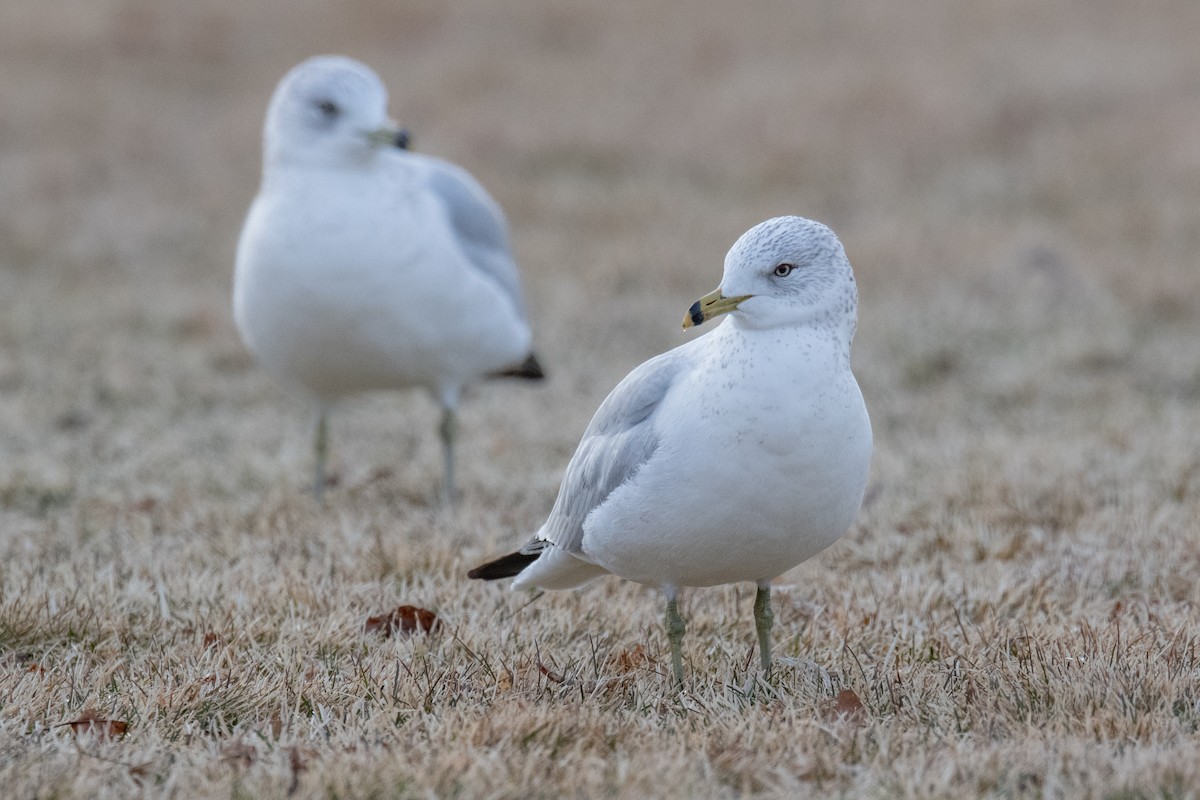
x=530, y=369
x=508, y=566
x=533, y=368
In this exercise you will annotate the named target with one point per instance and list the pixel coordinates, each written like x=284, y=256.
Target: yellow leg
x=675, y=631
x=764, y=618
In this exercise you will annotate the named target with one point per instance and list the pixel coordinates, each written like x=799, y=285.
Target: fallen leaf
x=210, y=638
x=404, y=619
x=90, y=722
x=550, y=674
x=35, y=667
x=631, y=659
x=847, y=702
x=847, y=706
x=504, y=680
x=239, y=753
x=298, y=758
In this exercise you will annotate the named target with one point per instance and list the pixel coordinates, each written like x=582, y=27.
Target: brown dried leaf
x=90, y=722
x=847, y=706
x=379, y=624
x=405, y=620
x=239, y=753
x=298, y=758
x=631, y=659
x=551, y=675
x=210, y=639
x=504, y=680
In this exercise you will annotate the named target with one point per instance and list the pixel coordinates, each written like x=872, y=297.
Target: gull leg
x=448, y=429
x=321, y=450
x=675, y=631
x=764, y=618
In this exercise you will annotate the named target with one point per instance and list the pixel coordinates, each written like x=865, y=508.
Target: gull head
x=785, y=271
x=327, y=111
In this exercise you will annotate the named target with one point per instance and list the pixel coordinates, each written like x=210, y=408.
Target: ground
x=1014, y=613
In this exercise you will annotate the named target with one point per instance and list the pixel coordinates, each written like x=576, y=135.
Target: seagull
x=364, y=266
x=733, y=457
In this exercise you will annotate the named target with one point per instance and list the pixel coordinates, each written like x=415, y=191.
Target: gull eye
x=784, y=269
x=328, y=108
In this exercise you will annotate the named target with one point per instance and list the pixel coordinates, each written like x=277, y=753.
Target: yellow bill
x=713, y=304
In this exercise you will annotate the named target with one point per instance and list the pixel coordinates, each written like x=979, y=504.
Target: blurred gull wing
x=479, y=226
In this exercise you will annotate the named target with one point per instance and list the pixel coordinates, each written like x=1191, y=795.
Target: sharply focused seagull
x=364, y=266
x=731, y=458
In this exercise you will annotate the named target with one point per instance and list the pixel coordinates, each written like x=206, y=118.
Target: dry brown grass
x=1018, y=185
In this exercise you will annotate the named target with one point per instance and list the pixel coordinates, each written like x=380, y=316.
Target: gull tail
x=503, y=567
x=540, y=564
x=529, y=369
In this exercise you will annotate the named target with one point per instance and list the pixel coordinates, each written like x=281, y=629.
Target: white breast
x=335, y=294
x=748, y=481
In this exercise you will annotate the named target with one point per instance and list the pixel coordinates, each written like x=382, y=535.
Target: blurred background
x=1017, y=183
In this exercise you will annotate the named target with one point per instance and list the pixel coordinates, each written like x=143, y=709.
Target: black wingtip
x=508, y=566
x=530, y=369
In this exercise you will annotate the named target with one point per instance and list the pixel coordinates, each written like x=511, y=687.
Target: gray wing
x=479, y=225
x=617, y=443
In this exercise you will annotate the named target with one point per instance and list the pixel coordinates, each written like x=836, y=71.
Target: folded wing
x=479, y=227
x=615, y=446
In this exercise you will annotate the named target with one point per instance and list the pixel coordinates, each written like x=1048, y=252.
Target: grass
x=1018, y=186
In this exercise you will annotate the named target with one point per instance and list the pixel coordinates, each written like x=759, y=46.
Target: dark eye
x=328, y=108
x=784, y=269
